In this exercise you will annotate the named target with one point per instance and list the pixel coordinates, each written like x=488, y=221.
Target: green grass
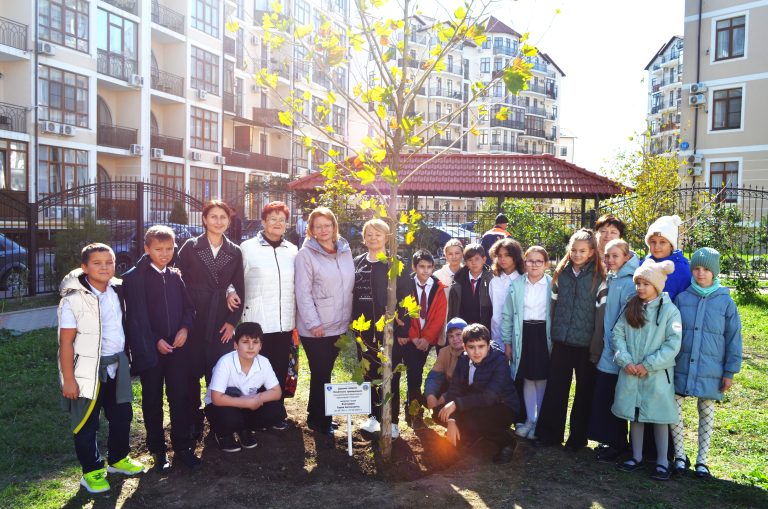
x=19, y=303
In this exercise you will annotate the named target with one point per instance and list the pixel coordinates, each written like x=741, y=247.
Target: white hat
x=665, y=226
x=654, y=273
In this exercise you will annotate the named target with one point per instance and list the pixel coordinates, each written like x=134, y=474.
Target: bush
x=178, y=214
x=74, y=237
x=747, y=288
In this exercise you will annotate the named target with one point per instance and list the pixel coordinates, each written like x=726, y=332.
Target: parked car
x=13, y=265
x=125, y=247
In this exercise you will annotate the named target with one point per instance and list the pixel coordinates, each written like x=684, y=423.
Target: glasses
x=534, y=263
x=276, y=220
x=323, y=227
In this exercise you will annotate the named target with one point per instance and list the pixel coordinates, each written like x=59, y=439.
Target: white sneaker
x=522, y=430
x=371, y=425
x=395, y=432
x=532, y=432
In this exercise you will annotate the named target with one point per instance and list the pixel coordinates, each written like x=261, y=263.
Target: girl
x=647, y=339
x=661, y=240
x=578, y=297
x=710, y=352
x=507, y=256
x=525, y=329
x=454, y=258
x=604, y=427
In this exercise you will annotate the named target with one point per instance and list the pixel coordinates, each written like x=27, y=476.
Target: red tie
x=474, y=284
x=423, y=302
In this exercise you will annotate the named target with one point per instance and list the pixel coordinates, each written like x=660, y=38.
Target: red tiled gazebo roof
x=476, y=175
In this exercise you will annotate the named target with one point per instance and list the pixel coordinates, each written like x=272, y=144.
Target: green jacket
x=655, y=345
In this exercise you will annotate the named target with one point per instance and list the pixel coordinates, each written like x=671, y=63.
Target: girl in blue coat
x=710, y=354
x=661, y=240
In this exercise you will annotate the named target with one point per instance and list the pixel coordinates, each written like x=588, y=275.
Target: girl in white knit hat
x=647, y=338
x=661, y=240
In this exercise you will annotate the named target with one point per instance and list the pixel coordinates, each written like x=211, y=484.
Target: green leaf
x=382, y=257
x=395, y=269
x=389, y=175
x=517, y=75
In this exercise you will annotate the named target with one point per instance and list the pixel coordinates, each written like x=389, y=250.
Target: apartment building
x=159, y=90
x=725, y=94
x=665, y=88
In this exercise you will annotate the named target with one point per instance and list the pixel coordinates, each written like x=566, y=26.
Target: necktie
x=474, y=284
x=423, y=302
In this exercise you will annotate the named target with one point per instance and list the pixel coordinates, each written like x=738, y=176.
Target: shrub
x=178, y=214
x=74, y=237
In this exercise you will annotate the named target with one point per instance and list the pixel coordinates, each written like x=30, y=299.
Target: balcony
x=536, y=110
x=532, y=131
x=551, y=91
x=255, y=161
x=229, y=46
x=529, y=150
x=448, y=118
x=442, y=142
x=410, y=62
x=233, y=102
x=551, y=137
x=13, y=34
x=166, y=82
x=454, y=69
x=170, y=145
x=116, y=136
x=537, y=88
x=508, y=123
x=505, y=50
x=670, y=126
x=116, y=65
x=167, y=18
x=444, y=92
x=503, y=147
x=266, y=117
x=131, y=6
x=13, y=118
x=540, y=67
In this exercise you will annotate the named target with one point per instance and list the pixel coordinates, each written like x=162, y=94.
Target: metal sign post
x=348, y=399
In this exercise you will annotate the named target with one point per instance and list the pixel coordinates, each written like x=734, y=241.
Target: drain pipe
x=698, y=77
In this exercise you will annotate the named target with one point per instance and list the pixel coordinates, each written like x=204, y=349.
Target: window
x=205, y=16
x=729, y=38
x=60, y=169
x=170, y=175
x=498, y=64
x=339, y=119
x=232, y=186
x=301, y=10
x=63, y=96
x=205, y=71
x=487, y=43
x=13, y=165
x=64, y=22
x=300, y=154
x=725, y=175
x=485, y=64
x=203, y=183
x=484, y=137
x=727, y=109
x=563, y=151
x=205, y=129
x=118, y=45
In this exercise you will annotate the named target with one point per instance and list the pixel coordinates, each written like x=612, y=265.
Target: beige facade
x=723, y=134
x=665, y=78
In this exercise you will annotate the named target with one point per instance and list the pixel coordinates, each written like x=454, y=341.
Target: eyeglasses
x=276, y=220
x=534, y=263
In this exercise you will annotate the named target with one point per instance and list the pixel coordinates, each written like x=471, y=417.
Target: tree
x=384, y=100
x=178, y=214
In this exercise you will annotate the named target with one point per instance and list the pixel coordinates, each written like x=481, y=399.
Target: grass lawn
x=19, y=303
x=38, y=467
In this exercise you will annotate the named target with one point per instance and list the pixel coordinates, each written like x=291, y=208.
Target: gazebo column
x=583, y=211
x=499, y=201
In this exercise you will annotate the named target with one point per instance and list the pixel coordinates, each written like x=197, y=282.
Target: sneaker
x=395, y=432
x=95, y=481
x=371, y=425
x=126, y=466
x=532, y=433
x=162, y=464
x=247, y=439
x=505, y=454
x=280, y=426
x=188, y=458
x=227, y=443
x=522, y=430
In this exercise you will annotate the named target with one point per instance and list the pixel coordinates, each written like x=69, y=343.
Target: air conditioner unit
x=46, y=48
x=49, y=127
x=68, y=130
x=156, y=153
x=697, y=88
x=136, y=80
x=695, y=159
x=220, y=160
x=195, y=156
x=202, y=94
x=136, y=150
x=695, y=171
x=697, y=99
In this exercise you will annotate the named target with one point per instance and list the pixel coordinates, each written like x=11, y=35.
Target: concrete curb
x=29, y=319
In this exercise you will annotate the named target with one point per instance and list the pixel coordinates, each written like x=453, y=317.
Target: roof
x=663, y=49
x=475, y=175
x=496, y=26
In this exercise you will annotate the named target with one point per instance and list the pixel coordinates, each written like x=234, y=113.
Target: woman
x=325, y=275
x=209, y=264
x=269, y=298
x=369, y=298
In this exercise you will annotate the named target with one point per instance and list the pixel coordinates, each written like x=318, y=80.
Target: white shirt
x=215, y=250
x=535, y=302
x=499, y=289
x=229, y=373
x=419, y=291
x=112, y=334
x=157, y=269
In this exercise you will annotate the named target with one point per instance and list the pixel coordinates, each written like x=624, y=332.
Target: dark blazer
x=379, y=283
x=460, y=280
x=492, y=384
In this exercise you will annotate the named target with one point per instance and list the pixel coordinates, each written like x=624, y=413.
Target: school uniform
x=470, y=299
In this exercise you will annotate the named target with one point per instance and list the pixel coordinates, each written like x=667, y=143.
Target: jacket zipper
x=279, y=291
x=165, y=298
x=667, y=373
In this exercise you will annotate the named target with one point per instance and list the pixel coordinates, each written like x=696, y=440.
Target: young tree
x=382, y=45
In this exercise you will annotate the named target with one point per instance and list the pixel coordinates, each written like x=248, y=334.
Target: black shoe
x=702, y=471
x=505, y=454
x=321, y=428
x=661, y=473
x=196, y=431
x=573, y=446
x=247, y=439
x=335, y=424
x=227, y=443
x=162, y=465
x=280, y=426
x=681, y=465
x=607, y=454
x=188, y=458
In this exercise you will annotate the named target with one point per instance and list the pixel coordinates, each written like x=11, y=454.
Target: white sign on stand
x=348, y=399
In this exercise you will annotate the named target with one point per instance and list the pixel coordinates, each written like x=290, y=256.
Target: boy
x=159, y=315
x=469, y=297
x=439, y=378
x=481, y=400
x=423, y=333
x=93, y=366
x=244, y=393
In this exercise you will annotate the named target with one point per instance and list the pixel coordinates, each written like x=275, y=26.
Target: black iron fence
x=13, y=33
x=167, y=82
x=13, y=118
x=166, y=17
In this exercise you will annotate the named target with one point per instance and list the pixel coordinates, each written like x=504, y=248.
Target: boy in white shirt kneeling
x=244, y=394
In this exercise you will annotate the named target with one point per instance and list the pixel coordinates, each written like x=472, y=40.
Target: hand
x=630, y=369
x=318, y=331
x=402, y=341
x=163, y=347
x=725, y=384
x=640, y=370
x=255, y=402
x=447, y=411
x=227, y=330
x=508, y=351
x=181, y=338
x=431, y=401
x=421, y=343
x=453, y=433
x=233, y=301
x=70, y=389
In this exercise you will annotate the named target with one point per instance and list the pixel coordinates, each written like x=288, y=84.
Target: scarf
x=705, y=292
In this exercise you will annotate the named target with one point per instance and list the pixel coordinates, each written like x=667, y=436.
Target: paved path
x=29, y=319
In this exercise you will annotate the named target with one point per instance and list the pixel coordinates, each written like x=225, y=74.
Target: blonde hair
x=326, y=213
x=377, y=224
x=588, y=236
x=621, y=244
x=453, y=243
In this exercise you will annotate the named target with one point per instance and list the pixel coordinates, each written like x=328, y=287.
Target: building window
x=487, y=43
x=484, y=137
x=205, y=71
x=205, y=16
x=169, y=175
x=339, y=120
x=232, y=190
x=205, y=129
x=60, y=169
x=563, y=151
x=729, y=38
x=301, y=10
x=64, y=22
x=727, y=109
x=118, y=45
x=63, y=96
x=725, y=175
x=485, y=64
x=203, y=183
x=13, y=165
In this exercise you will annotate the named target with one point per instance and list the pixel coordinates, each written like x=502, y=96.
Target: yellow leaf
x=502, y=114
x=409, y=237
x=380, y=323
x=302, y=31
x=307, y=141
x=460, y=13
x=277, y=7
x=474, y=131
x=440, y=65
x=361, y=324
x=331, y=99
x=403, y=218
x=232, y=26
x=307, y=95
x=286, y=118
x=333, y=153
x=378, y=155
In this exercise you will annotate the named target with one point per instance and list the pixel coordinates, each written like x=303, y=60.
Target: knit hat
x=708, y=258
x=665, y=226
x=502, y=219
x=455, y=323
x=655, y=273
